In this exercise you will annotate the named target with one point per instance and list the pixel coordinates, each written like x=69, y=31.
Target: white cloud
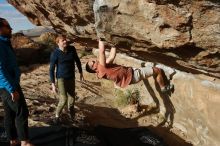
x=3, y=5
x=19, y=18
x=8, y=14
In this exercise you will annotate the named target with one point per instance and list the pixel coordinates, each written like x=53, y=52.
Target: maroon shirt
x=121, y=75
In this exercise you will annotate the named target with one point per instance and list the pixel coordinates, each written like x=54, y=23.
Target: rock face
x=164, y=26
x=183, y=30
x=164, y=23
x=180, y=26
x=71, y=17
x=167, y=24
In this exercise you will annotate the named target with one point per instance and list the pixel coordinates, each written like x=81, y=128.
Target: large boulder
x=185, y=32
x=163, y=23
x=189, y=28
x=73, y=17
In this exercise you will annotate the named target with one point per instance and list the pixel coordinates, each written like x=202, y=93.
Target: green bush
x=127, y=97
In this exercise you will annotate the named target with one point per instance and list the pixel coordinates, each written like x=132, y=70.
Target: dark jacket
x=9, y=70
x=64, y=63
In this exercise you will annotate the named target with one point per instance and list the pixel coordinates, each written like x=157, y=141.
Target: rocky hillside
x=185, y=32
x=37, y=31
x=33, y=50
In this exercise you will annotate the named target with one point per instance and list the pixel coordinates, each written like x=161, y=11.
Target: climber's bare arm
x=102, y=58
x=112, y=55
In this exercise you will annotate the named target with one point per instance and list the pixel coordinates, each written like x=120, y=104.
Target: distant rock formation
x=28, y=51
x=37, y=31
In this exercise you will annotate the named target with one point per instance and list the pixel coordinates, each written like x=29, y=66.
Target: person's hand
x=15, y=96
x=82, y=78
x=54, y=90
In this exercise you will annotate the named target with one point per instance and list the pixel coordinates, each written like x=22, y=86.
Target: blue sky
x=14, y=17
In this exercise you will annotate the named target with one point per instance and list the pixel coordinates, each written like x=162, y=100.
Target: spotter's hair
x=59, y=37
x=2, y=22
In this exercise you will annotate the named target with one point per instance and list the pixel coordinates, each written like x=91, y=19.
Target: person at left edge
x=15, y=107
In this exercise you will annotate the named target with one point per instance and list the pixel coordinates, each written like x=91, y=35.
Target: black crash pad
x=98, y=136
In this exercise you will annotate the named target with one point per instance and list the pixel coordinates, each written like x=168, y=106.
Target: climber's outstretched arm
x=112, y=55
x=102, y=58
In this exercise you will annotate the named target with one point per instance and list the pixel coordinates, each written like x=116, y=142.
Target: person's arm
x=78, y=64
x=17, y=71
x=112, y=55
x=6, y=81
x=102, y=58
x=15, y=95
x=53, y=61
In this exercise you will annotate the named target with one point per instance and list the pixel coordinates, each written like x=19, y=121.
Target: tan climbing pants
x=66, y=90
x=141, y=73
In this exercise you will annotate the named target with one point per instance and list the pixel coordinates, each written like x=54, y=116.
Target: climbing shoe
x=167, y=88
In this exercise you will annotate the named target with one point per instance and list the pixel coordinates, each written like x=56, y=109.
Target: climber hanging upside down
x=122, y=75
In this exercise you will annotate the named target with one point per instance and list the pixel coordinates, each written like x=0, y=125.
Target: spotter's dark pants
x=16, y=115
